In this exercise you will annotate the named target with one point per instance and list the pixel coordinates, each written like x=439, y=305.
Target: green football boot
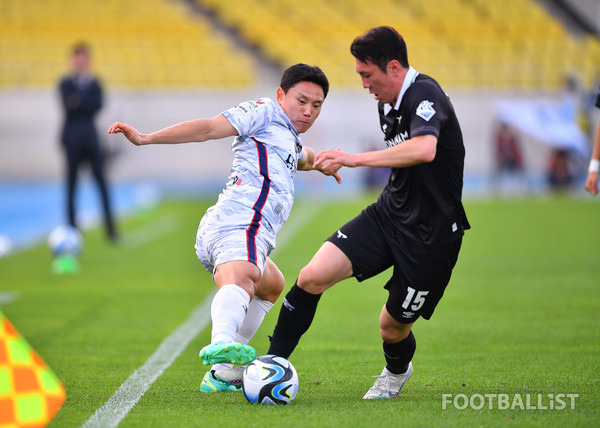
x=220, y=352
x=212, y=382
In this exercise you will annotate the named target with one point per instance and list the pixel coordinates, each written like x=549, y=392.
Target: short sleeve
x=428, y=110
x=250, y=116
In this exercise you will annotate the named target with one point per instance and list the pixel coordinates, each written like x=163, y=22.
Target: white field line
x=150, y=232
x=8, y=297
x=130, y=392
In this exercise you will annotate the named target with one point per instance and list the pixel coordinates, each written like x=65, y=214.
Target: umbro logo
x=340, y=235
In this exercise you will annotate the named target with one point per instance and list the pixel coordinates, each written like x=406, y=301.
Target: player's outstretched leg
x=228, y=309
x=223, y=380
x=225, y=377
x=388, y=385
x=232, y=352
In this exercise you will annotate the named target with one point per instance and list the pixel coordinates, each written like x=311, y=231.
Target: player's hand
x=331, y=174
x=128, y=131
x=591, y=184
x=334, y=159
x=330, y=161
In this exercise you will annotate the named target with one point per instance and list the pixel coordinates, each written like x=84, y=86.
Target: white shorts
x=233, y=231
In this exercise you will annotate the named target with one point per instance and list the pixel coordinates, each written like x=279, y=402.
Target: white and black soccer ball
x=270, y=379
x=65, y=240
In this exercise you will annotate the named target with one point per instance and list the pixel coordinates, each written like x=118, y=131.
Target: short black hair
x=304, y=73
x=80, y=48
x=380, y=45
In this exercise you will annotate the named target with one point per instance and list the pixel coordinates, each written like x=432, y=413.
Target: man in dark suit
x=81, y=96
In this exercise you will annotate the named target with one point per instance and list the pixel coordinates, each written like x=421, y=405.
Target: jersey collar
x=410, y=77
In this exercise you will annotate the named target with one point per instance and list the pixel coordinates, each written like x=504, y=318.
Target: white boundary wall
x=30, y=126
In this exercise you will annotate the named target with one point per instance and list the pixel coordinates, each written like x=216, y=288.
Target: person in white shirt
x=237, y=234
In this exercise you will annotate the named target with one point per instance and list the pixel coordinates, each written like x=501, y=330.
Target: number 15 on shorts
x=414, y=299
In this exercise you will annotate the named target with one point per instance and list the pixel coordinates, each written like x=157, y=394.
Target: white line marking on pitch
x=130, y=392
x=8, y=297
x=150, y=232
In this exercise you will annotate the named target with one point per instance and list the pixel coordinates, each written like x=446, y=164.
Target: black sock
x=295, y=317
x=399, y=354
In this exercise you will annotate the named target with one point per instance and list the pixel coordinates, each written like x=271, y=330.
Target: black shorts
x=420, y=273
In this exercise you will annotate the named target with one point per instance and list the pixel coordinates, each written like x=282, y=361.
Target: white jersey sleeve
x=250, y=117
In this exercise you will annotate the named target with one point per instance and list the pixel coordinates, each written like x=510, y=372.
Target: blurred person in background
x=559, y=174
x=509, y=159
x=81, y=99
x=591, y=183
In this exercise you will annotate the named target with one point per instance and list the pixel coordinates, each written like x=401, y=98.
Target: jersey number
x=418, y=301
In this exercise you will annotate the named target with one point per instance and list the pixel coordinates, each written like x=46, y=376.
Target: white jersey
x=266, y=154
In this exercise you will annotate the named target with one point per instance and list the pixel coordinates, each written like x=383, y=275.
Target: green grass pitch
x=521, y=317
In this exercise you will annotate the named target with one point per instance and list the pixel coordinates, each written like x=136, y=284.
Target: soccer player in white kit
x=237, y=234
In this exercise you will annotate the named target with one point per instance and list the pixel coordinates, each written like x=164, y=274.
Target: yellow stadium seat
x=473, y=43
x=135, y=43
x=470, y=44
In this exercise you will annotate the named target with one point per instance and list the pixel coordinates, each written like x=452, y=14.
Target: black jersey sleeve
x=428, y=108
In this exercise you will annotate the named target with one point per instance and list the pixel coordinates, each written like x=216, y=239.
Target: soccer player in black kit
x=417, y=223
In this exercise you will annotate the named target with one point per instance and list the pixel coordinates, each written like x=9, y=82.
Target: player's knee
x=393, y=334
x=392, y=331
x=311, y=281
x=247, y=282
x=276, y=287
x=271, y=284
x=247, y=285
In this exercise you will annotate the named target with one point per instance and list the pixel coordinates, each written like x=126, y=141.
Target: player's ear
x=280, y=94
x=393, y=67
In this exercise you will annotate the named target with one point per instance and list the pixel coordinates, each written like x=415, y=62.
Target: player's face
x=302, y=104
x=380, y=84
x=81, y=62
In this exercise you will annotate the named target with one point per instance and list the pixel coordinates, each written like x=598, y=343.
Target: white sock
x=220, y=366
x=257, y=310
x=227, y=311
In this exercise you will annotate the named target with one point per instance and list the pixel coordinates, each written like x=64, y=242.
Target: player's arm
x=197, y=130
x=415, y=151
x=307, y=163
x=591, y=183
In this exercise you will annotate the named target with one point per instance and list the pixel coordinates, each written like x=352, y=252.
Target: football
x=270, y=379
x=65, y=240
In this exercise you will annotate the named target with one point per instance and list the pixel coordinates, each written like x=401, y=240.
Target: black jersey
x=597, y=103
x=423, y=202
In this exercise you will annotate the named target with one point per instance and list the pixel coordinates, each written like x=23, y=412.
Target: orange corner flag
x=30, y=393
